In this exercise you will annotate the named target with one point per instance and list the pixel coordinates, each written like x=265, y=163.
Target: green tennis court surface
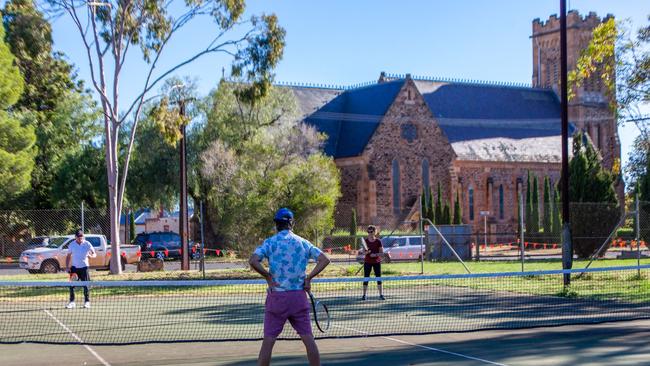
x=621, y=343
x=462, y=319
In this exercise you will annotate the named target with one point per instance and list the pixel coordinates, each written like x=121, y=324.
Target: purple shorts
x=286, y=305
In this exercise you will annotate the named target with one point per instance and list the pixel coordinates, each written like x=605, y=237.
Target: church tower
x=589, y=109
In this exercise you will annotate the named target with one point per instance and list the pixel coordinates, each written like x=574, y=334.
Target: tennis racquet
x=321, y=314
x=73, y=277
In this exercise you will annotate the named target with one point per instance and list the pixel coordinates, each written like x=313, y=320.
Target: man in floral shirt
x=287, y=255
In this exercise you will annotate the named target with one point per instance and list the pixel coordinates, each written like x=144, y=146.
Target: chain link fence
x=23, y=229
x=600, y=230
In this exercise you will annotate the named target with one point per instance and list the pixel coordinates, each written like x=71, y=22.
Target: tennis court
x=464, y=319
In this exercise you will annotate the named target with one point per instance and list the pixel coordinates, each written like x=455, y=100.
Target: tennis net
x=129, y=312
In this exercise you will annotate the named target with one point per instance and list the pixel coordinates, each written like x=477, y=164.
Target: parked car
x=163, y=245
x=51, y=259
x=37, y=242
x=399, y=248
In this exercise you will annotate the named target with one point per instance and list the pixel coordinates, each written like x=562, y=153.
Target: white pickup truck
x=51, y=259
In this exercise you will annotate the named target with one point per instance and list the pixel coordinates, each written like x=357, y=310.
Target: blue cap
x=283, y=214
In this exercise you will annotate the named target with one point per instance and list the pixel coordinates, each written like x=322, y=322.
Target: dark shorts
x=286, y=305
x=375, y=267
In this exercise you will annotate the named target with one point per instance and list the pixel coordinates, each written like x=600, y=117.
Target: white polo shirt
x=79, y=253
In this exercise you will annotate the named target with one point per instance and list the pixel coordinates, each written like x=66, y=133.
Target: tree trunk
x=113, y=197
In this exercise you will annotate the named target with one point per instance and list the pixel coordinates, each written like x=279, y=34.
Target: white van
x=399, y=248
x=402, y=248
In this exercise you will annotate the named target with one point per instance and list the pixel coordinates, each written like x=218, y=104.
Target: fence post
x=421, y=236
x=83, y=228
x=637, y=237
x=202, y=240
x=522, y=247
x=478, y=245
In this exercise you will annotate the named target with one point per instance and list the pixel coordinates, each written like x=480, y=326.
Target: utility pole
x=567, y=246
x=182, y=217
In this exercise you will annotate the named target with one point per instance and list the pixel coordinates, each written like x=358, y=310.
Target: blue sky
x=351, y=41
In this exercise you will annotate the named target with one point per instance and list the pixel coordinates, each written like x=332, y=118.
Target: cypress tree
x=431, y=207
x=535, y=216
x=131, y=225
x=556, y=220
x=529, y=206
x=438, y=214
x=424, y=205
x=458, y=214
x=446, y=214
x=547, y=206
x=353, y=227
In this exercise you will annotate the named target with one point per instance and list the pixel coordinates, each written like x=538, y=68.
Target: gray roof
x=483, y=122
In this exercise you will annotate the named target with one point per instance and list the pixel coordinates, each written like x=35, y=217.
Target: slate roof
x=348, y=117
x=481, y=121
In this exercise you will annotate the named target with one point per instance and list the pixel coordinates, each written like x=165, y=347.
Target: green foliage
x=458, y=214
x=547, y=223
x=556, y=220
x=535, y=203
x=64, y=117
x=81, y=177
x=593, y=199
x=263, y=160
x=16, y=138
x=431, y=210
x=446, y=215
x=439, y=218
x=154, y=173
x=353, y=223
x=424, y=204
x=131, y=225
x=529, y=206
x=589, y=182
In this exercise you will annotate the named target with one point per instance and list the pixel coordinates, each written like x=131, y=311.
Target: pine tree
x=439, y=214
x=535, y=215
x=16, y=138
x=547, y=206
x=529, y=206
x=458, y=213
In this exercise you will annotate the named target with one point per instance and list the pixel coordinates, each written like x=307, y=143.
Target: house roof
x=482, y=121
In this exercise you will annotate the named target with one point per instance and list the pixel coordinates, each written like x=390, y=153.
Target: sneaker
x=363, y=298
x=71, y=305
x=382, y=297
x=87, y=305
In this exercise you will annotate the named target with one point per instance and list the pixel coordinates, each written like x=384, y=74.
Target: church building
x=395, y=137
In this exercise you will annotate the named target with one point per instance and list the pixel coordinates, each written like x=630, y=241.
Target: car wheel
x=160, y=255
x=50, y=267
x=33, y=271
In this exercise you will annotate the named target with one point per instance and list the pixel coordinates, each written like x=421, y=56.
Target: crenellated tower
x=590, y=108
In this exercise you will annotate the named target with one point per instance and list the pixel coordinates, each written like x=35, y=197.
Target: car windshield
x=56, y=242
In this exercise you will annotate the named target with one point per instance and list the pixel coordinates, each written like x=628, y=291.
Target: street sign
x=484, y=213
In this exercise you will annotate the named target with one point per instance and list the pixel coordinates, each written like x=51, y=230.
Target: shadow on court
x=621, y=343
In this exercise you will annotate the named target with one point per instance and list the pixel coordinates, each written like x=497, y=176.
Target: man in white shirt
x=79, y=251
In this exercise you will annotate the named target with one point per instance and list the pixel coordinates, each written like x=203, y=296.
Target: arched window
x=471, y=204
x=396, y=188
x=501, y=202
x=425, y=176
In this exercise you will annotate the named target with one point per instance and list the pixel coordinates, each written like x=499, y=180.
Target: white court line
x=92, y=351
x=426, y=347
